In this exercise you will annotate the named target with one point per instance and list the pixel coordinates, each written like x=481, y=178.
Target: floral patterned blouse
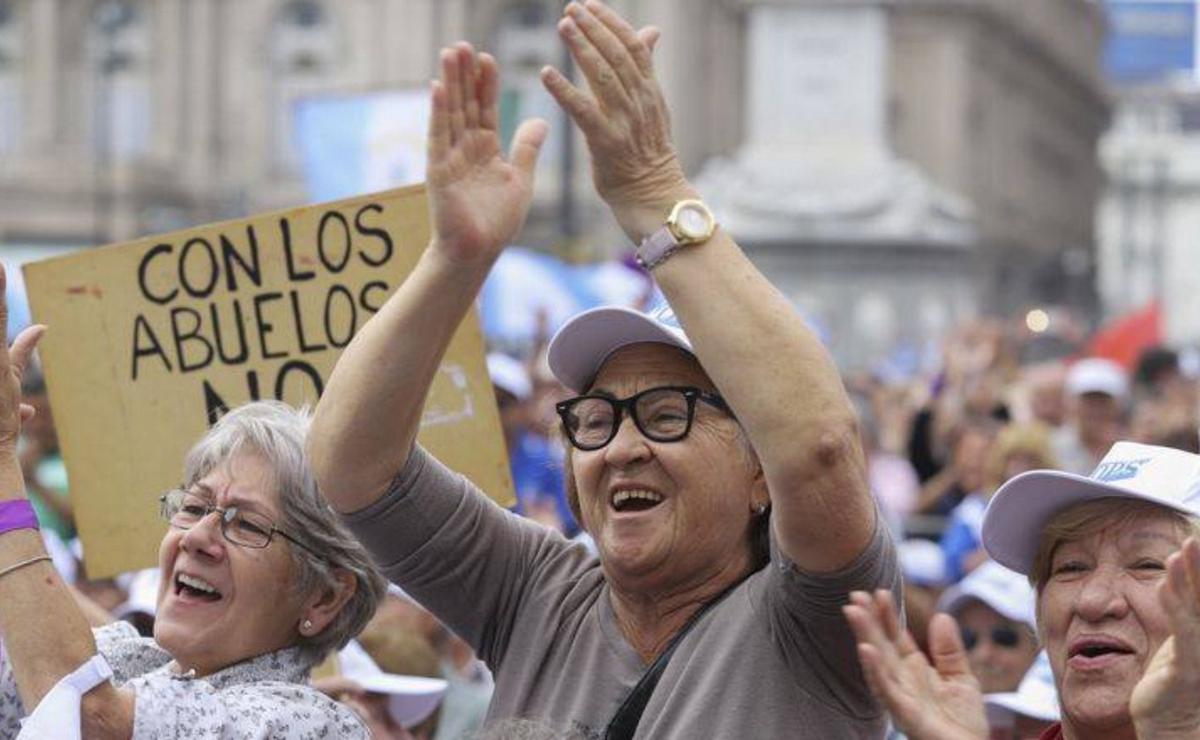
x=264, y=697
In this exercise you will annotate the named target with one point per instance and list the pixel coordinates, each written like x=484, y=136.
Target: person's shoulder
x=312, y=710
x=128, y=653
x=176, y=706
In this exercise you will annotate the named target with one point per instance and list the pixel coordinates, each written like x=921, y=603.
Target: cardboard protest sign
x=151, y=339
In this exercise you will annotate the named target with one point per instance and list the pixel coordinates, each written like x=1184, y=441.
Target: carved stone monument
x=816, y=195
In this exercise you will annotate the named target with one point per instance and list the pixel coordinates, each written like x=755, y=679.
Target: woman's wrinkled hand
x=927, y=702
x=624, y=115
x=12, y=370
x=1163, y=703
x=477, y=198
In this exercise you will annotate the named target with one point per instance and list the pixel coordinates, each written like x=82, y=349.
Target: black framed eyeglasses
x=1003, y=636
x=184, y=510
x=663, y=414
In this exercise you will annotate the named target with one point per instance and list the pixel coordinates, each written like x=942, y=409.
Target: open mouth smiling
x=1089, y=651
x=634, y=499
x=194, y=587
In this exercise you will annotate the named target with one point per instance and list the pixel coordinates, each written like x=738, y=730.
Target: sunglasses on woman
x=1003, y=636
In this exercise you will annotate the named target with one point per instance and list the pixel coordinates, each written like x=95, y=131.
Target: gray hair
x=275, y=433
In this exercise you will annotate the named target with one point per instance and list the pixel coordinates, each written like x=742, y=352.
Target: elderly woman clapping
x=713, y=456
x=259, y=581
x=1116, y=565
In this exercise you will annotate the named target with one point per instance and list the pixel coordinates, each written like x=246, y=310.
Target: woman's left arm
x=772, y=369
x=45, y=635
x=1163, y=704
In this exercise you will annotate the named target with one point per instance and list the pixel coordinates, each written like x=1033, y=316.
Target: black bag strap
x=625, y=722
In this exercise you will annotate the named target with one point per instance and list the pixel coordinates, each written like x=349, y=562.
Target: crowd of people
x=715, y=534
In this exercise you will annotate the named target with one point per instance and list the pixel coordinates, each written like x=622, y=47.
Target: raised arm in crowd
x=708, y=440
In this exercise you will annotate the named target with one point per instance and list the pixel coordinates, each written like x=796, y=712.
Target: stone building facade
x=948, y=163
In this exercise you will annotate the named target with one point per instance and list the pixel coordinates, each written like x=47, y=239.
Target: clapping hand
x=478, y=199
x=624, y=116
x=1163, y=703
x=12, y=369
x=927, y=702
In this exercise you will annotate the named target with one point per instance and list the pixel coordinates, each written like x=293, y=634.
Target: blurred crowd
x=938, y=445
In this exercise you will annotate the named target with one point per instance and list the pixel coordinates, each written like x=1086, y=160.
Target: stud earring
x=760, y=509
x=306, y=626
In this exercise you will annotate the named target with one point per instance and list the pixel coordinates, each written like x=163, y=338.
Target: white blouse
x=260, y=698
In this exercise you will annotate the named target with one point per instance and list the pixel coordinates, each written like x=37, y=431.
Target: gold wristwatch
x=689, y=223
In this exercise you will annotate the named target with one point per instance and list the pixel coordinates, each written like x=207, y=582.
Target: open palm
x=941, y=701
x=12, y=368
x=478, y=199
x=1163, y=703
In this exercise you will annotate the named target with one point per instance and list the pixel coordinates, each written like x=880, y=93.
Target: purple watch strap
x=656, y=248
x=17, y=514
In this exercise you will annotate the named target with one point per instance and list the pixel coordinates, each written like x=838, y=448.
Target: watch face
x=693, y=223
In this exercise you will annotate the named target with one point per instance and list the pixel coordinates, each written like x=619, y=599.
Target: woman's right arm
x=367, y=420
x=45, y=635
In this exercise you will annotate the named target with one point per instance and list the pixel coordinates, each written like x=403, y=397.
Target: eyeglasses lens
x=663, y=414
x=185, y=510
x=590, y=422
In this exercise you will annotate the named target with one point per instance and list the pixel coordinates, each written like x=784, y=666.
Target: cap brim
x=1020, y=510
x=586, y=340
x=956, y=597
x=411, y=699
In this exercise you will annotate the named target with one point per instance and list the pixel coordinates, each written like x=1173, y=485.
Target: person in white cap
x=1097, y=395
x=1115, y=561
x=392, y=705
x=1028, y=711
x=720, y=461
x=994, y=609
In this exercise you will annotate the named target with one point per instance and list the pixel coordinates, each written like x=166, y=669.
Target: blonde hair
x=1032, y=439
x=1083, y=520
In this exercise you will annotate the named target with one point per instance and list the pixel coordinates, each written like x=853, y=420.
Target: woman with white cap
x=1115, y=563
x=719, y=470
x=994, y=609
x=1028, y=711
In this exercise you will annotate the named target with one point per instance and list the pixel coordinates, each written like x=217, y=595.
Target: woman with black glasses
x=718, y=470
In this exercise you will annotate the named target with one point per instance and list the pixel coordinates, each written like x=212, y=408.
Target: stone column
x=40, y=128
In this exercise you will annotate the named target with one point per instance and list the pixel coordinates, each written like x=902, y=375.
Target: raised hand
x=624, y=116
x=927, y=702
x=1163, y=704
x=478, y=199
x=12, y=369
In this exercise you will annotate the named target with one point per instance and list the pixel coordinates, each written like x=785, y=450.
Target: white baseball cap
x=509, y=374
x=411, y=699
x=1035, y=697
x=587, y=339
x=1006, y=592
x=1019, y=511
x=1097, y=375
